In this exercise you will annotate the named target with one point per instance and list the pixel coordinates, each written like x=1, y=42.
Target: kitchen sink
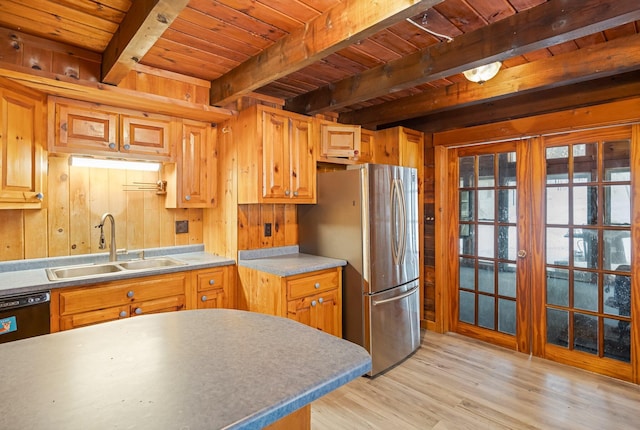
x=151, y=263
x=101, y=269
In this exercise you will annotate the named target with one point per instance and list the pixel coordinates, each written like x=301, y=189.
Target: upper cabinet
x=339, y=141
x=191, y=180
x=22, y=136
x=276, y=159
x=85, y=128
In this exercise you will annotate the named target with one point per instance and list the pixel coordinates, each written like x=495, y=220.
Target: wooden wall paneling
x=136, y=221
x=253, y=231
x=195, y=226
x=35, y=233
x=98, y=204
x=291, y=224
x=58, y=203
x=114, y=182
x=267, y=216
x=81, y=218
x=153, y=206
x=12, y=227
x=279, y=227
x=167, y=226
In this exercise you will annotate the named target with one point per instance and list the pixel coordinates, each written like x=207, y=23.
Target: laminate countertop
x=286, y=261
x=200, y=369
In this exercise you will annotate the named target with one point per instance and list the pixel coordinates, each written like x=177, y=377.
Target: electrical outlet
x=182, y=227
x=267, y=229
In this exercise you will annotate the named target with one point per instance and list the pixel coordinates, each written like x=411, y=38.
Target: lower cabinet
x=75, y=307
x=313, y=298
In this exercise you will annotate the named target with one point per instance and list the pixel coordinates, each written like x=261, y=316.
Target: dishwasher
x=24, y=315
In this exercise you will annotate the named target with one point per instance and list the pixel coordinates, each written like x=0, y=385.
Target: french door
x=544, y=247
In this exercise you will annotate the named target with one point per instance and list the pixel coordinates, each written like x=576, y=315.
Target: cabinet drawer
x=211, y=280
x=93, y=317
x=120, y=293
x=312, y=283
x=165, y=304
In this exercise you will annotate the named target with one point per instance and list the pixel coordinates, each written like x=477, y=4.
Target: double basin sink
x=101, y=269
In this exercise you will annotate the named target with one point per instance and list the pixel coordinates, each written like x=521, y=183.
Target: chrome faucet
x=112, y=245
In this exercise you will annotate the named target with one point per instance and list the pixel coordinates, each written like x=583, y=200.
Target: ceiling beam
x=339, y=27
x=588, y=93
x=549, y=24
x=143, y=25
x=600, y=60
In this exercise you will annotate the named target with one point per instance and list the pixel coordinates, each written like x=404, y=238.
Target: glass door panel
x=587, y=233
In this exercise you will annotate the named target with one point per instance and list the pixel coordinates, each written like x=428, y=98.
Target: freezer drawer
x=394, y=331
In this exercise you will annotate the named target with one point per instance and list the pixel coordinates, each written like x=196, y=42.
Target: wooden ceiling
x=361, y=59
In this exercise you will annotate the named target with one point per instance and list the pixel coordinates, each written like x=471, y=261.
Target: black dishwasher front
x=25, y=315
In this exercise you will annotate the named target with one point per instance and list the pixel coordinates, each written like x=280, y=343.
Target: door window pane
x=617, y=205
x=557, y=246
x=617, y=340
x=507, y=279
x=467, y=273
x=507, y=169
x=585, y=290
x=507, y=316
x=486, y=277
x=486, y=174
x=557, y=165
x=507, y=242
x=585, y=205
x=467, y=205
x=617, y=248
x=557, y=205
x=618, y=296
x=467, y=239
x=486, y=311
x=507, y=206
x=467, y=172
x=557, y=286
x=585, y=333
x=485, y=241
x=486, y=205
x=467, y=307
x=585, y=247
x=557, y=327
x=617, y=160
x=585, y=162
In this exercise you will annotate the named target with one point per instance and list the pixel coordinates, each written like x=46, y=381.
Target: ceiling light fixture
x=103, y=163
x=482, y=74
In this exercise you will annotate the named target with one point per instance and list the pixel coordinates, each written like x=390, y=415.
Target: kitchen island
x=200, y=369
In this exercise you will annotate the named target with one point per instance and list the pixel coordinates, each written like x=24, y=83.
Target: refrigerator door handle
x=398, y=222
x=393, y=299
x=403, y=220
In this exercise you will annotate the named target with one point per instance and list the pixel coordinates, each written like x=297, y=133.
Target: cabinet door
x=275, y=156
x=214, y=290
x=149, y=137
x=21, y=154
x=302, y=162
x=83, y=129
x=321, y=311
x=340, y=140
x=367, y=145
x=196, y=166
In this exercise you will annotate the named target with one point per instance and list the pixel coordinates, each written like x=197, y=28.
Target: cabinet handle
x=138, y=311
x=187, y=198
x=295, y=194
x=320, y=300
x=203, y=298
x=127, y=146
x=317, y=285
x=313, y=303
x=286, y=192
x=112, y=145
x=212, y=281
x=130, y=293
x=39, y=196
x=123, y=314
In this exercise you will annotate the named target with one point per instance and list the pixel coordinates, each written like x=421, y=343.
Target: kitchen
x=584, y=97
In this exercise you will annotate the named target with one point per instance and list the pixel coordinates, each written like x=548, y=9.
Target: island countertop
x=201, y=369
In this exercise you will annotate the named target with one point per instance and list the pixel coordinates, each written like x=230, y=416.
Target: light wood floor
x=453, y=382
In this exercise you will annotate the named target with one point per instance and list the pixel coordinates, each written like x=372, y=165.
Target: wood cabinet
x=313, y=298
x=22, y=136
x=338, y=140
x=92, y=129
x=82, y=306
x=276, y=158
x=191, y=180
x=213, y=288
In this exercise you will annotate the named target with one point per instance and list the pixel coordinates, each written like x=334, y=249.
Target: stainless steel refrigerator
x=368, y=216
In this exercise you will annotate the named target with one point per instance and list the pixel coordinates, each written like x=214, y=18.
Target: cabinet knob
x=112, y=145
x=313, y=303
x=320, y=300
x=203, y=298
x=317, y=285
x=286, y=192
x=212, y=281
x=123, y=314
x=130, y=293
x=138, y=311
x=127, y=146
x=39, y=196
x=295, y=194
x=187, y=198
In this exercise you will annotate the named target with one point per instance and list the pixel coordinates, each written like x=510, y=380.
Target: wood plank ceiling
x=360, y=59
